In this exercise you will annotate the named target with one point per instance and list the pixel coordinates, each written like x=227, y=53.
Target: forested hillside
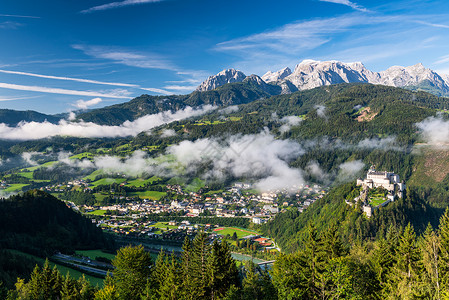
x=39, y=224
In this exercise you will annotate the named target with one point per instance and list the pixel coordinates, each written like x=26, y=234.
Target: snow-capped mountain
x=276, y=76
x=225, y=76
x=310, y=74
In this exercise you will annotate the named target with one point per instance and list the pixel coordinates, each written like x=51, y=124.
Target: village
x=184, y=213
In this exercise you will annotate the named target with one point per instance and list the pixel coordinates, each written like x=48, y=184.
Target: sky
x=61, y=56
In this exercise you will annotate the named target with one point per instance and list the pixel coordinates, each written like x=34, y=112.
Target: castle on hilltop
x=376, y=179
x=387, y=180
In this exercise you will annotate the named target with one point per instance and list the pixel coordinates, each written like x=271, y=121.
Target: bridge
x=265, y=263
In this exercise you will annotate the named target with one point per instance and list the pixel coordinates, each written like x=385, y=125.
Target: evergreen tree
x=256, y=284
x=198, y=275
x=333, y=247
x=431, y=261
x=223, y=271
x=314, y=256
x=404, y=278
x=170, y=287
x=132, y=270
x=109, y=291
x=289, y=276
x=68, y=289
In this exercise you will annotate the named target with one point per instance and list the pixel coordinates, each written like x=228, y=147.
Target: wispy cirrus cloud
x=128, y=58
x=118, y=94
x=16, y=98
x=353, y=5
x=19, y=16
x=181, y=88
x=68, y=78
x=159, y=91
x=436, y=25
x=287, y=43
x=10, y=25
x=117, y=4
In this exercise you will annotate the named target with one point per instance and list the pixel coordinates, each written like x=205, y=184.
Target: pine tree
x=68, y=289
x=158, y=273
x=289, y=276
x=132, y=270
x=404, y=279
x=109, y=291
x=170, y=287
x=223, y=271
x=314, y=257
x=257, y=284
x=444, y=241
x=198, y=284
x=333, y=247
x=431, y=261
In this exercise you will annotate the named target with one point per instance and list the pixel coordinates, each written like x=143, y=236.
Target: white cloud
x=35, y=130
x=117, y=4
x=10, y=25
x=159, y=91
x=433, y=24
x=188, y=88
x=43, y=89
x=350, y=169
x=64, y=157
x=229, y=109
x=321, y=111
x=16, y=98
x=347, y=3
x=258, y=156
x=388, y=143
x=289, y=122
x=28, y=157
x=19, y=16
x=168, y=133
x=68, y=78
x=81, y=104
x=128, y=58
x=442, y=60
x=435, y=131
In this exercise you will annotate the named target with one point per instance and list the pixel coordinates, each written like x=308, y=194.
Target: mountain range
x=311, y=74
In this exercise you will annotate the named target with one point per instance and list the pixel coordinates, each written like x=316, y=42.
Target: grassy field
x=164, y=225
x=230, y=230
x=28, y=175
x=14, y=187
x=63, y=270
x=108, y=181
x=94, y=174
x=100, y=196
x=47, y=164
x=152, y=195
x=195, y=185
x=98, y=212
x=375, y=201
x=142, y=182
x=83, y=155
x=95, y=253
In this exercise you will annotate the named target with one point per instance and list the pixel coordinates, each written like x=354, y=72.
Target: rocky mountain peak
x=224, y=77
x=309, y=74
x=276, y=76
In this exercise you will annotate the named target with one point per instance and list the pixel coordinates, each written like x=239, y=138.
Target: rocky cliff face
x=310, y=74
x=225, y=76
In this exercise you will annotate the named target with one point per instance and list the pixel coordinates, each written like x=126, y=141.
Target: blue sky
x=58, y=56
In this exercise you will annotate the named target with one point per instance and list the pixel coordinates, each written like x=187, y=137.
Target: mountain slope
x=13, y=117
x=229, y=94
